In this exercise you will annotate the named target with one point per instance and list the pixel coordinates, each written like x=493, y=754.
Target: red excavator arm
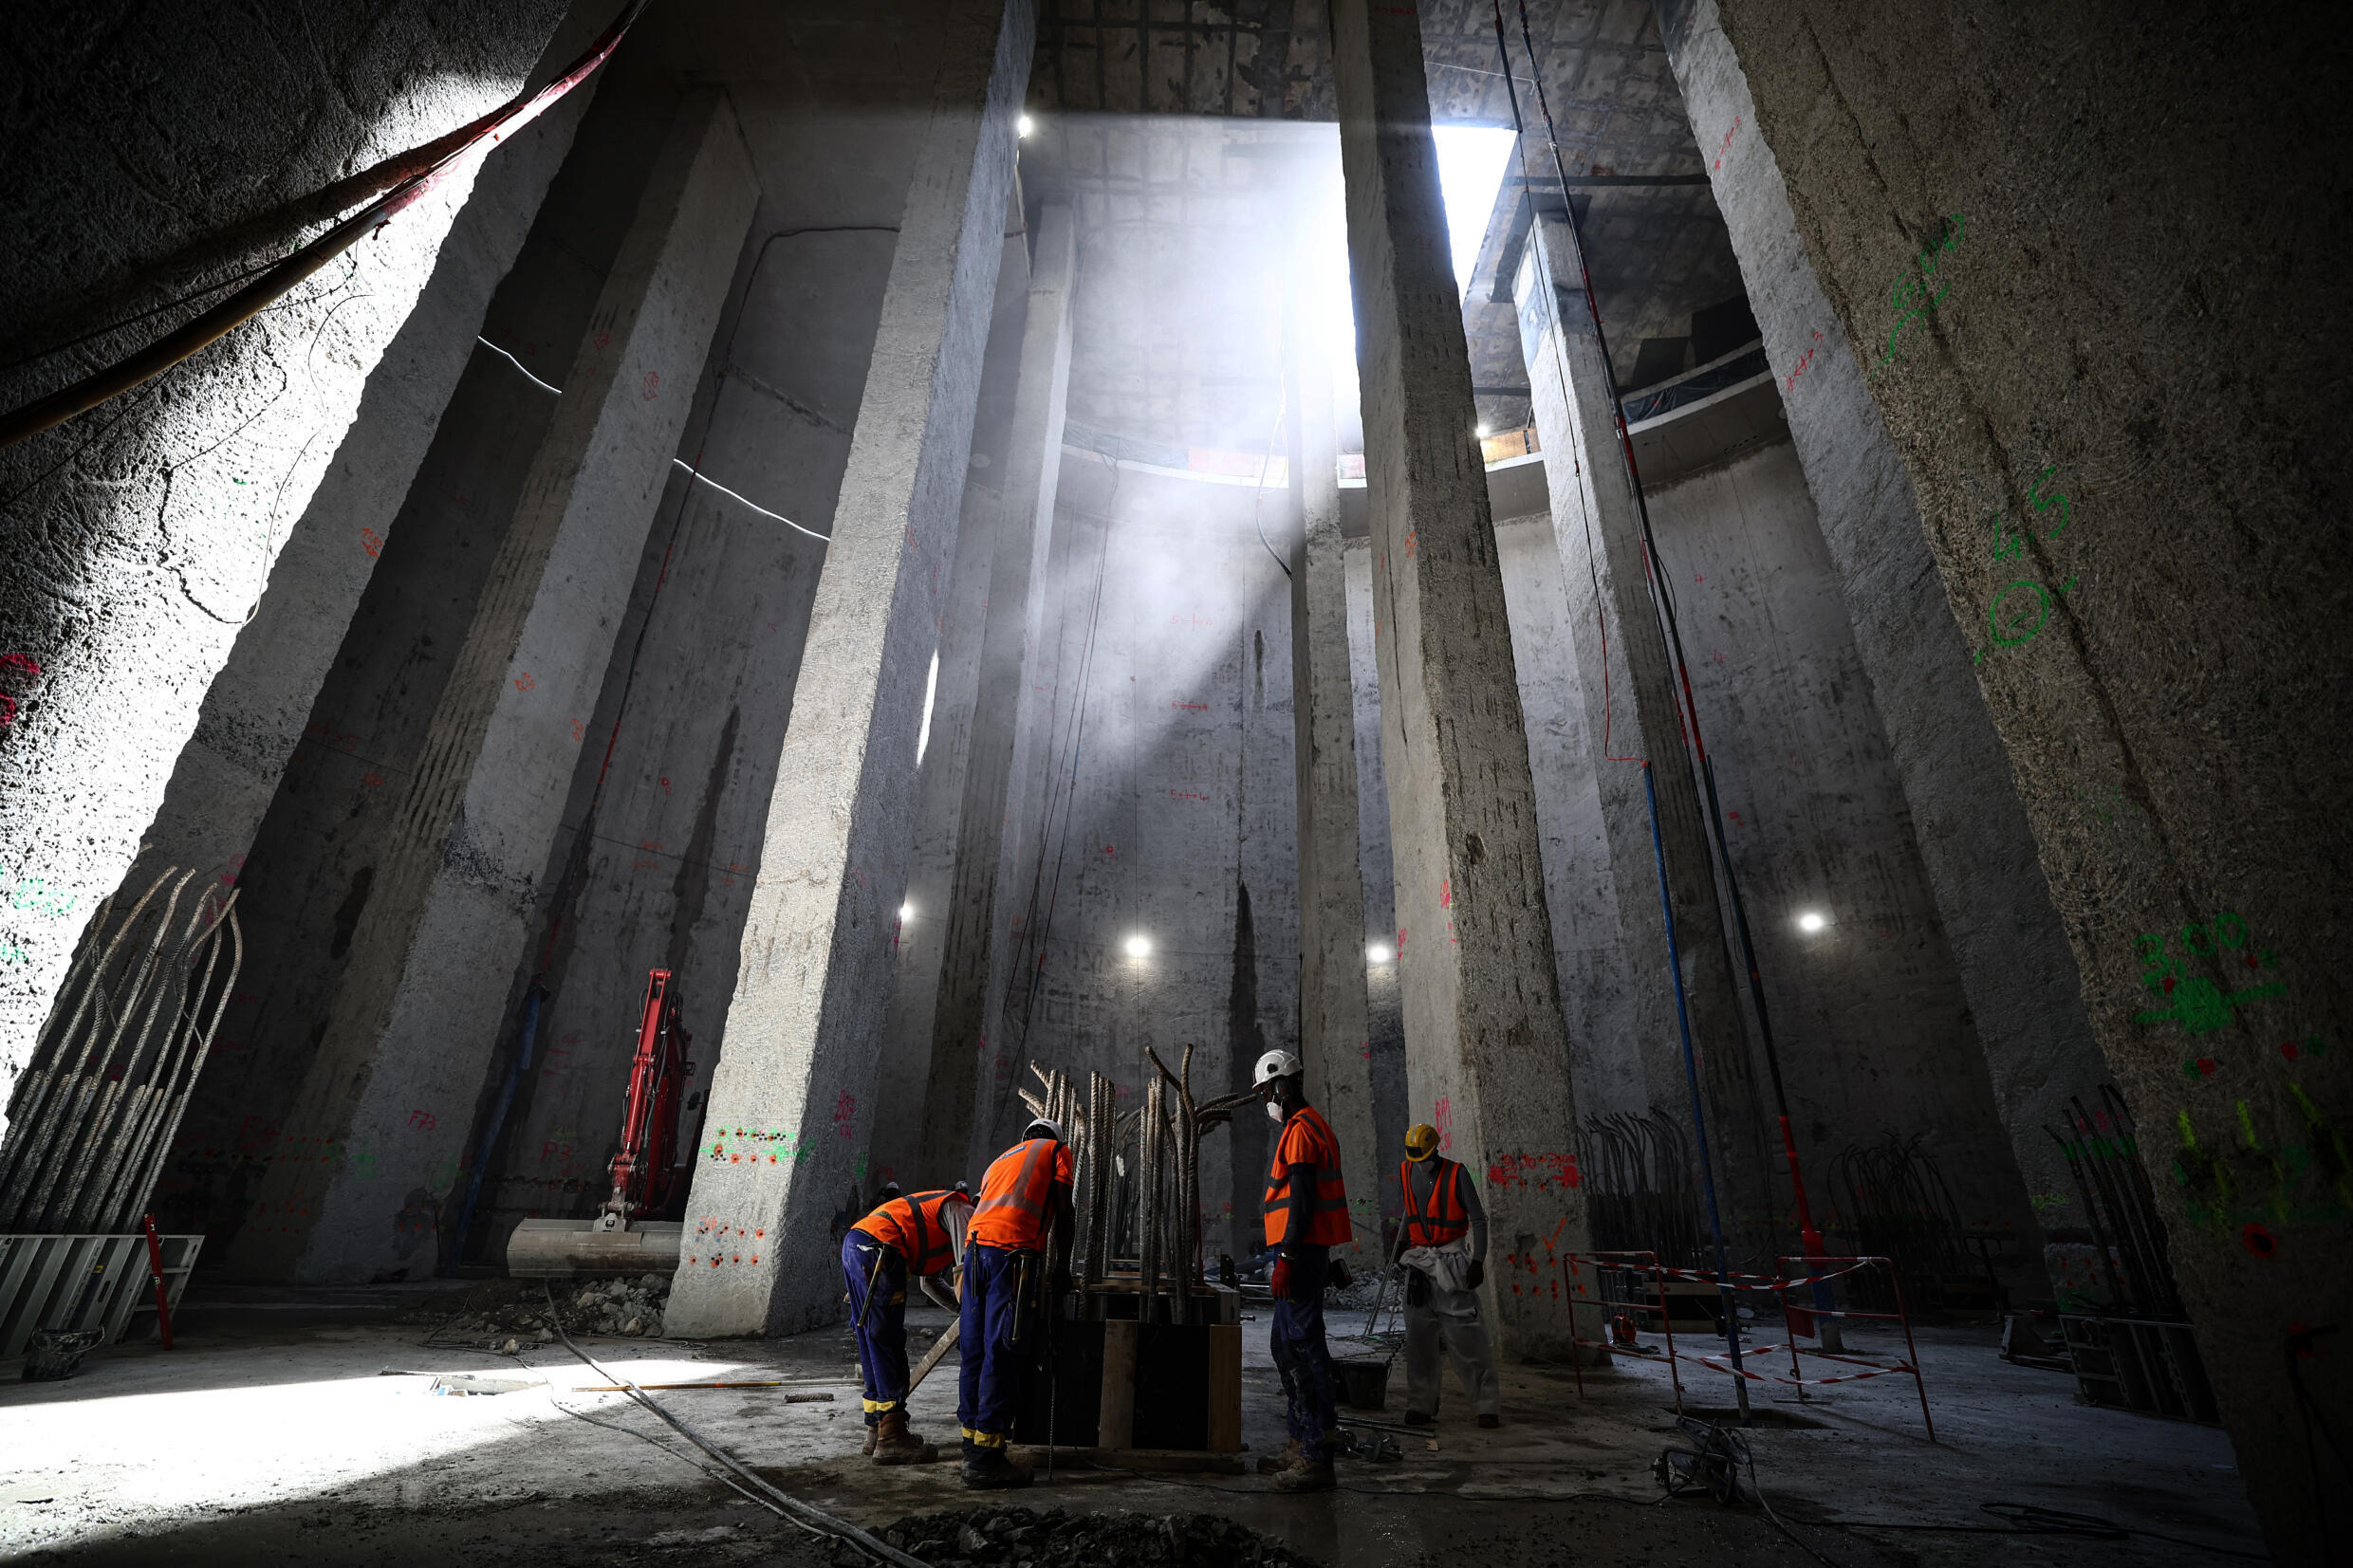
x=648, y=1177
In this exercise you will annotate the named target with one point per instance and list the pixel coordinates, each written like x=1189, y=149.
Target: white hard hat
x=1276, y=1064
x=1040, y=1127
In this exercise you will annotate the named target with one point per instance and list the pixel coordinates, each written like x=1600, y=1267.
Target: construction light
x=1484, y=432
x=907, y=911
x=1138, y=946
x=1025, y=126
x=1376, y=953
x=1811, y=921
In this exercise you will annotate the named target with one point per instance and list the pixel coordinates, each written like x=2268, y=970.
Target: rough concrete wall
x=139, y=536
x=1873, y=1032
x=1588, y=941
x=662, y=872
x=253, y=714
x=1172, y=816
x=812, y=991
x=315, y=857
x=2016, y=968
x=2090, y=234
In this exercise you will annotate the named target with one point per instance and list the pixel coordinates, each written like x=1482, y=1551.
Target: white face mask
x=1274, y=1112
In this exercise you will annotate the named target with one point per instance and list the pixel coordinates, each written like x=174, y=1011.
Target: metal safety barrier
x=1814, y=1271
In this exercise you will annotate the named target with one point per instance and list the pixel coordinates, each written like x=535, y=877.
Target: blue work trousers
x=874, y=1269
x=993, y=1341
x=1300, y=1354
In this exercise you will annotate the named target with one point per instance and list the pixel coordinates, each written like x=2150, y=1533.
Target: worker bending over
x=922, y=1236
x=1442, y=1242
x=1307, y=1217
x=1024, y=1210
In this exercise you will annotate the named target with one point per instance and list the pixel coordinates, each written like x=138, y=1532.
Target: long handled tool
x=931, y=1357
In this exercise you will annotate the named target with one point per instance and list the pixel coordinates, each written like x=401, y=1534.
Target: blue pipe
x=1699, y=1120
x=520, y=1066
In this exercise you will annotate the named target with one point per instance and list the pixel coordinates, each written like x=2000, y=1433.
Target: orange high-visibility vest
x=1322, y=1214
x=1014, y=1194
x=1447, y=1219
x=917, y=1228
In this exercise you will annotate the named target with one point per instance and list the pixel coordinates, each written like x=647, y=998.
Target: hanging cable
x=1663, y=598
x=1699, y=1120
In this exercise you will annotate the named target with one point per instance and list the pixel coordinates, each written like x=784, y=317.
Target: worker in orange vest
x=1442, y=1242
x=1023, y=1220
x=1307, y=1217
x=922, y=1236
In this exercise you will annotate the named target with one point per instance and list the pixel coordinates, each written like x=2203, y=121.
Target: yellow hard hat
x=1422, y=1141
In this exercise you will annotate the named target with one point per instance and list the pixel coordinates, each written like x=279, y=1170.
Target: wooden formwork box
x=72, y=1282
x=1144, y=1395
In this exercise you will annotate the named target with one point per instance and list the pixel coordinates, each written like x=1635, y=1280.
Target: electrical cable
x=1663, y=601
x=785, y=1503
x=695, y=476
x=209, y=326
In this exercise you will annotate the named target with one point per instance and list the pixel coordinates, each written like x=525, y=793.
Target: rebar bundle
x=2120, y=1208
x=1639, y=1186
x=1895, y=1205
x=95, y=1113
x=1137, y=1182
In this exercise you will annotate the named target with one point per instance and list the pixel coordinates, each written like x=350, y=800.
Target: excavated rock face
x=983, y=1538
x=632, y=1305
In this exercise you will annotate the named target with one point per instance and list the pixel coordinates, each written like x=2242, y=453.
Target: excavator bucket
x=563, y=1249
x=649, y=1175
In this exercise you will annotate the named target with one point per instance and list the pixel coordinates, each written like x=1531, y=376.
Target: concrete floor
x=269, y=1435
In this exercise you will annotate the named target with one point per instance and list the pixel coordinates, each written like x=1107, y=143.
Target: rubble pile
x=516, y=1310
x=988, y=1538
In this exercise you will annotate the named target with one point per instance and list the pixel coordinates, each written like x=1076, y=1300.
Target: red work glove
x=1477, y=1276
x=1280, y=1281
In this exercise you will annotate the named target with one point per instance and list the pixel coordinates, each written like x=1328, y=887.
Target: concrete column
x=1487, y=1051
x=253, y=713
x=960, y=1028
x=1335, y=1031
x=2018, y=969
x=139, y=537
x=1598, y=530
x=417, y=1011
x=792, y=1096
x=987, y=532
x=2143, y=548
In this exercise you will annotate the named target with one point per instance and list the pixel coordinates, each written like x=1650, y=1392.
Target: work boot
x=1275, y=1463
x=1312, y=1473
x=895, y=1445
x=873, y=1425
x=1415, y=1418
x=988, y=1470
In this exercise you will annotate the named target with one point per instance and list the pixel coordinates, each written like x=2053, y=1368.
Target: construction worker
x=1025, y=1211
x=1442, y=1242
x=922, y=1236
x=1307, y=1217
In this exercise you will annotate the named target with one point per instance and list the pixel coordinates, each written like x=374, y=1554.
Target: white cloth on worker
x=1451, y=1317
x=1448, y=1266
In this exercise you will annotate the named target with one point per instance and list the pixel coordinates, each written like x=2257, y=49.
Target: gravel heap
x=516, y=1309
x=1023, y=1537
